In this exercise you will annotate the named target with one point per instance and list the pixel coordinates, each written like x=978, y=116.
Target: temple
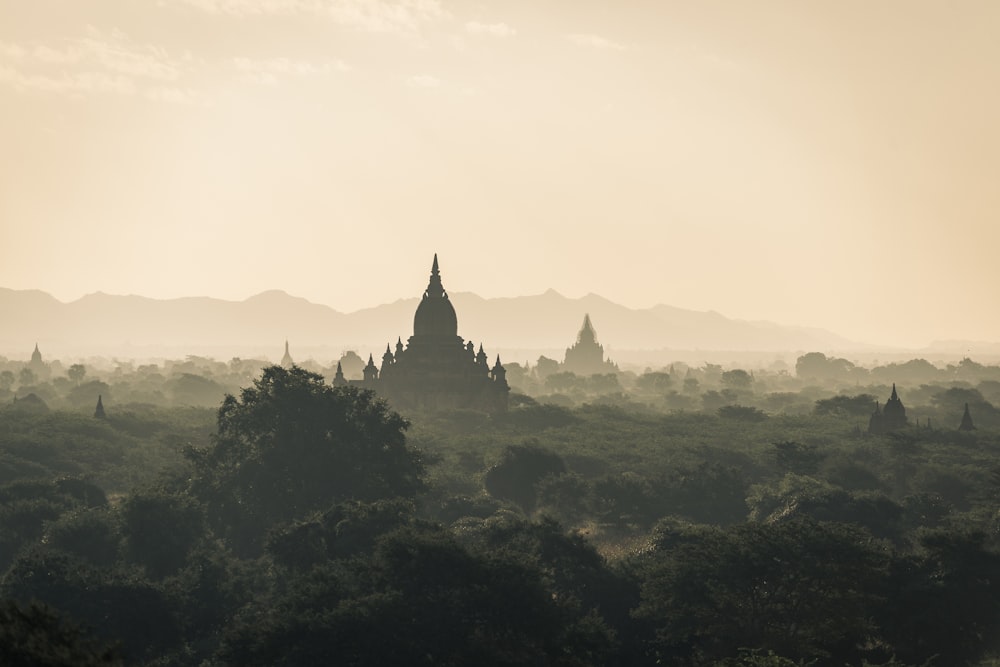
x=890, y=418
x=287, y=361
x=967, y=424
x=38, y=365
x=586, y=357
x=436, y=369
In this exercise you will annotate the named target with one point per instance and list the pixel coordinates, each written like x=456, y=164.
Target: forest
x=238, y=513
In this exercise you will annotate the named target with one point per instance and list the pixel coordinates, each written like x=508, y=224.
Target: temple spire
x=966, y=424
x=371, y=370
x=434, y=287
x=587, y=335
x=894, y=397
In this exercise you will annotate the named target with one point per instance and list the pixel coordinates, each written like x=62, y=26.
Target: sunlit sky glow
x=832, y=164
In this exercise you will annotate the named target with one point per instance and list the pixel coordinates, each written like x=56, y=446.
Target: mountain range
x=140, y=327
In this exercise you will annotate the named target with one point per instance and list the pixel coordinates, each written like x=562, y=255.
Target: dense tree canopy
x=673, y=518
x=291, y=445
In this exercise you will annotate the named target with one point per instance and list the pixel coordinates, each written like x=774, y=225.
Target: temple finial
x=434, y=287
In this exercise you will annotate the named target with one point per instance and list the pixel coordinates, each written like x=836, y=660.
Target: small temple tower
x=287, y=361
x=875, y=421
x=338, y=379
x=370, y=371
x=890, y=418
x=499, y=374
x=966, y=424
x=37, y=365
x=99, y=410
x=586, y=357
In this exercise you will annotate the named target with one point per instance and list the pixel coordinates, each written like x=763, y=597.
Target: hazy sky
x=831, y=163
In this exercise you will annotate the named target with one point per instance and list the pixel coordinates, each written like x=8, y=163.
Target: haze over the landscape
x=478, y=332
x=828, y=165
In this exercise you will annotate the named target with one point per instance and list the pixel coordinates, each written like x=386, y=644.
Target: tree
x=27, y=377
x=737, y=378
x=744, y=413
x=122, y=607
x=517, y=472
x=84, y=396
x=945, y=600
x=546, y=367
x=76, y=372
x=291, y=445
x=854, y=407
x=160, y=529
x=654, y=382
x=91, y=535
x=817, y=366
x=419, y=597
x=802, y=589
x=35, y=635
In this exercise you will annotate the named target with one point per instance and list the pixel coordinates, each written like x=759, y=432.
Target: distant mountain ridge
x=114, y=325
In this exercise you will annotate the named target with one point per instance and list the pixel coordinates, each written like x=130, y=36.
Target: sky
x=831, y=163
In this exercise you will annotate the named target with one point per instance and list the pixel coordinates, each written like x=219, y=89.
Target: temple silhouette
x=286, y=360
x=436, y=369
x=586, y=357
x=966, y=424
x=890, y=418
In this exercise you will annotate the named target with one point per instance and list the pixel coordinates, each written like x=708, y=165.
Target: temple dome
x=435, y=315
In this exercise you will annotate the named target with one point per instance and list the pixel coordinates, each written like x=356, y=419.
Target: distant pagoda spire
x=966, y=424
x=287, y=361
x=371, y=370
x=587, y=335
x=99, y=410
x=499, y=373
x=338, y=378
x=892, y=417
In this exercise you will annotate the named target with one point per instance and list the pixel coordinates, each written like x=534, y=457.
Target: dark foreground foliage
x=309, y=530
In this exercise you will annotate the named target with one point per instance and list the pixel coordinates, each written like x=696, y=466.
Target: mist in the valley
x=565, y=509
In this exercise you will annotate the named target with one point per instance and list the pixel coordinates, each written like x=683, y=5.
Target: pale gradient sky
x=832, y=164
